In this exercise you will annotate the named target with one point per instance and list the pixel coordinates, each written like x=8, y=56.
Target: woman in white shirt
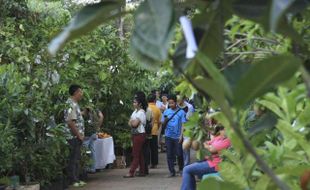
x=137, y=122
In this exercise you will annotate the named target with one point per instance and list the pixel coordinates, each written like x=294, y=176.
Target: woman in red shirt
x=210, y=164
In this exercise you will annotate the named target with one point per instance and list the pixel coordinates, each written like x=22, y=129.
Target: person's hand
x=181, y=139
x=162, y=108
x=205, y=144
x=101, y=115
x=81, y=137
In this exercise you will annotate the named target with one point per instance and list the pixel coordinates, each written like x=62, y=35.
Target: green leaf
x=273, y=107
x=86, y=20
x=212, y=23
x=303, y=118
x=154, y=29
x=214, y=72
x=278, y=8
x=234, y=72
x=295, y=169
x=260, y=11
x=179, y=57
x=263, y=76
x=271, y=97
x=251, y=9
x=267, y=121
x=262, y=183
x=214, y=184
x=102, y=75
x=144, y=60
x=298, y=6
x=216, y=92
x=193, y=120
x=226, y=171
x=220, y=117
x=288, y=131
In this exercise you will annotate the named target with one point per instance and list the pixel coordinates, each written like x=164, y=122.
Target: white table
x=104, y=152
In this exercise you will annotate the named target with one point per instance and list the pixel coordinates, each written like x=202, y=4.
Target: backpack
x=148, y=125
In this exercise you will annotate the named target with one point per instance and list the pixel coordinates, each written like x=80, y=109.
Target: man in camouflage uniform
x=75, y=129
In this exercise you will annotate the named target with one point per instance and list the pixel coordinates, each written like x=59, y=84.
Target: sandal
x=128, y=176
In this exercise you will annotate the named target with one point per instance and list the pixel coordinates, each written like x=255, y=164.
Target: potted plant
x=4, y=182
x=122, y=139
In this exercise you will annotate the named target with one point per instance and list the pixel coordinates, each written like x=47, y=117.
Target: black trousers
x=154, y=150
x=73, y=168
x=180, y=157
x=146, y=154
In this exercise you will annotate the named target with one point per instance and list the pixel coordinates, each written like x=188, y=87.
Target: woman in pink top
x=210, y=165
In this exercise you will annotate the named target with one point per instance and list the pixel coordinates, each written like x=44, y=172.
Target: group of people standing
x=152, y=122
x=169, y=117
x=166, y=119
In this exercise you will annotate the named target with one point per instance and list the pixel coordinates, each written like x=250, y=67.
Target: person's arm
x=101, y=117
x=135, y=123
x=74, y=130
x=181, y=136
x=159, y=122
x=152, y=119
x=71, y=121
x=210, y=148
x=217, y=146
x=141, y=116
x=183, y=120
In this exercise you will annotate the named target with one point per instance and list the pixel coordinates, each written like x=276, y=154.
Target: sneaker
x=170, y=175
x=82, y=183
x=76, y=184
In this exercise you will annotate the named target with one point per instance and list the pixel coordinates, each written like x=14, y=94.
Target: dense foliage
x=34, y=86
x=247, y=50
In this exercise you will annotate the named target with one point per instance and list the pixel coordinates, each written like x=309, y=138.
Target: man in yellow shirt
x=155, y=129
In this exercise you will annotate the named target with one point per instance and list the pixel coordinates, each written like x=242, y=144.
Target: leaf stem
x=260, y=162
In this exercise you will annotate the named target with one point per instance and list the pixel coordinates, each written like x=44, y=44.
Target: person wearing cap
x=210, y=164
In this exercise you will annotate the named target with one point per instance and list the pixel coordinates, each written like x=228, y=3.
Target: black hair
x=140, y=94
x=154, y=91
x=140, y=98
x=217, y=129
x=73, y=88
x=172, y=97
x=164, y=94
x=151, y=97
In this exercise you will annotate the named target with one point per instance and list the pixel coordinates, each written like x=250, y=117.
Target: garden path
x=112, y=179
